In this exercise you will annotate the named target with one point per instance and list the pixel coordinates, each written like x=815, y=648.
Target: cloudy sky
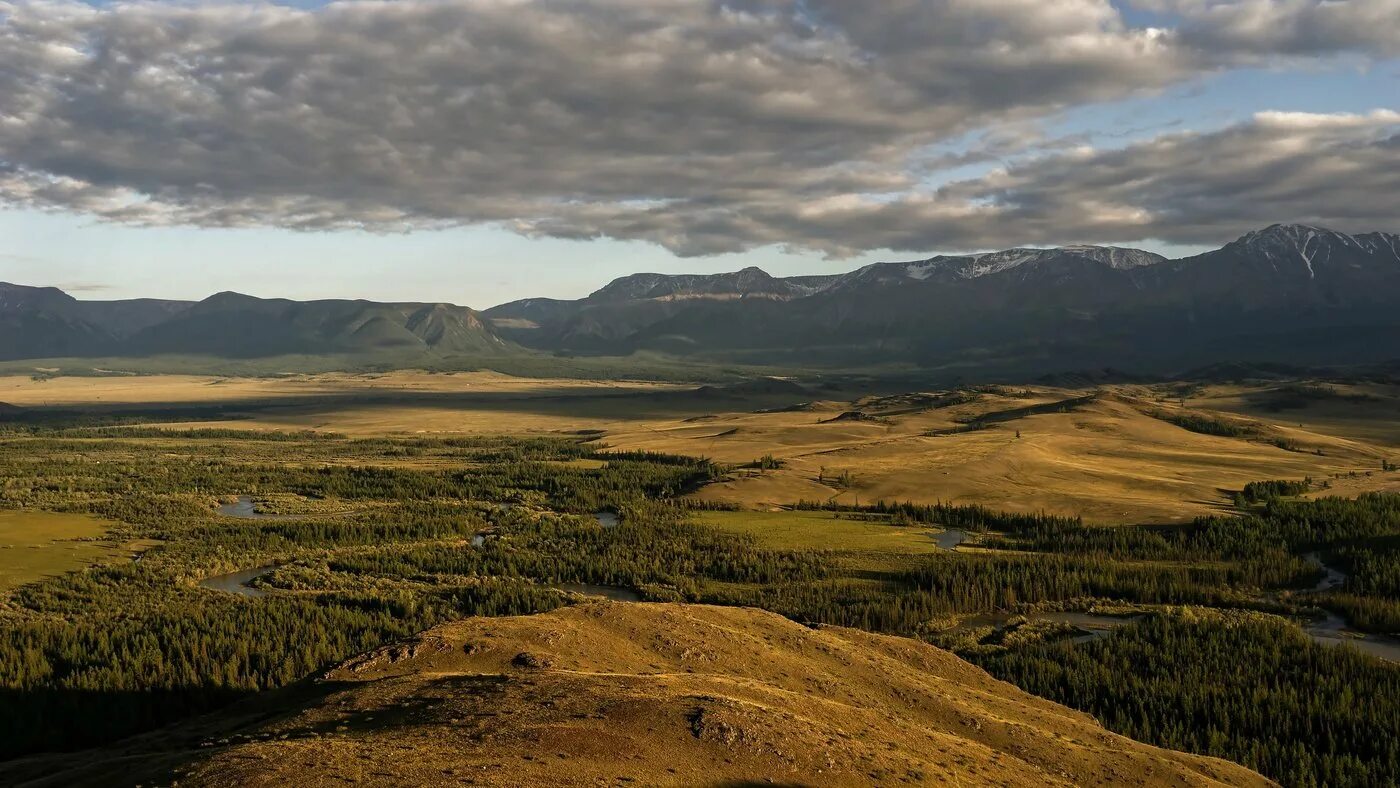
x=482, y=150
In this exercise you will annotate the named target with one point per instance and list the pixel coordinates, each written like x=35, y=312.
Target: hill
x=239, y=326
x=44, y=322
x=665, y=694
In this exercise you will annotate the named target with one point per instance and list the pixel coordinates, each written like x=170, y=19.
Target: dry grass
x=1367, y=413
x=194, y=389
x=1109, y=460
x=678, y=695
x=801, y=530
x=35, y=545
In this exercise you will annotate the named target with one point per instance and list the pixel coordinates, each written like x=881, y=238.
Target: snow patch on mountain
x=975, y=266
x=1286, y=245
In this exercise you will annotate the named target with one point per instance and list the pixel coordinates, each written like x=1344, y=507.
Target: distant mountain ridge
x=1288, y=293
x=44, y=322
x=751, y=282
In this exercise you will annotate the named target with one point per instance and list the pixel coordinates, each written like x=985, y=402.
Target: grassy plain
x=808, y=530
x=1113, y=458
x=35, y=544
x=394, y=535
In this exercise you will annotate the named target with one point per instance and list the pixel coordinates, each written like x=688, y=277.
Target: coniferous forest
x=358, y=543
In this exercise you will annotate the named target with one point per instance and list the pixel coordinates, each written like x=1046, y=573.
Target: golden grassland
x=1112, y=459
x=666, y=695
x=1364, y=412
x=193, y=389
x=805, y=530
x=34, y=545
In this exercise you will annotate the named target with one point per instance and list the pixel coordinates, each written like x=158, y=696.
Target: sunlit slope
x=1114, y=454
x=683, y=695
x=1111, y=456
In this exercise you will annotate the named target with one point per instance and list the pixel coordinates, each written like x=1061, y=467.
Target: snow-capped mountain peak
x=974, y=266
x=1311, y=247
x=1116, y=257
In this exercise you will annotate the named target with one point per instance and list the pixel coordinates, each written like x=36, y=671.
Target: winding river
x=1331, y=630
x=1092, y=626
x=237, y=583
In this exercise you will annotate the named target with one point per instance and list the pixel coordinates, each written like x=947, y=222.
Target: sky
x=479, y=151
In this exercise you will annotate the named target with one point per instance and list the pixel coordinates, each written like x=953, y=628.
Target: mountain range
x=44, y=322
x=1286, y=293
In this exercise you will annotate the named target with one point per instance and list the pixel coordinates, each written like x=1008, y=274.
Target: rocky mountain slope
x=1285, y=293
x=664, y=694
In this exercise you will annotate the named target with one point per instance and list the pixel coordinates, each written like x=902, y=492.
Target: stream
x=614, y=593
x=948, y=538
x=1332, y=629
x=1092, y=626
x=236, y=583
x=245, y=509
x=605, y=518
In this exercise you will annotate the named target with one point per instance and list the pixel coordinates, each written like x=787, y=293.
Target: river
x=1092, y=626
x=613, y=593
x=1332, y=629
x=948, y=538
x=237, y=582
x=245, y=509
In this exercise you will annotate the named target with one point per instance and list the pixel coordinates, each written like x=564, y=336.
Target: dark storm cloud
x=703, y=126
x=1339, y=171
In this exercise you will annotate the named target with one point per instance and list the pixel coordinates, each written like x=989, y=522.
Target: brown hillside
x=647, y=694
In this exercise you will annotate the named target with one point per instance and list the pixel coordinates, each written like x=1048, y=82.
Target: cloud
x=1335, y=170
x=1270, y=28
x=700, y=125
x=83, y=287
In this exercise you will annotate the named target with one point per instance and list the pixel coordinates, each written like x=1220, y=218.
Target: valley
x=1113, y=453
x=380, y=522
x=699, y=394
